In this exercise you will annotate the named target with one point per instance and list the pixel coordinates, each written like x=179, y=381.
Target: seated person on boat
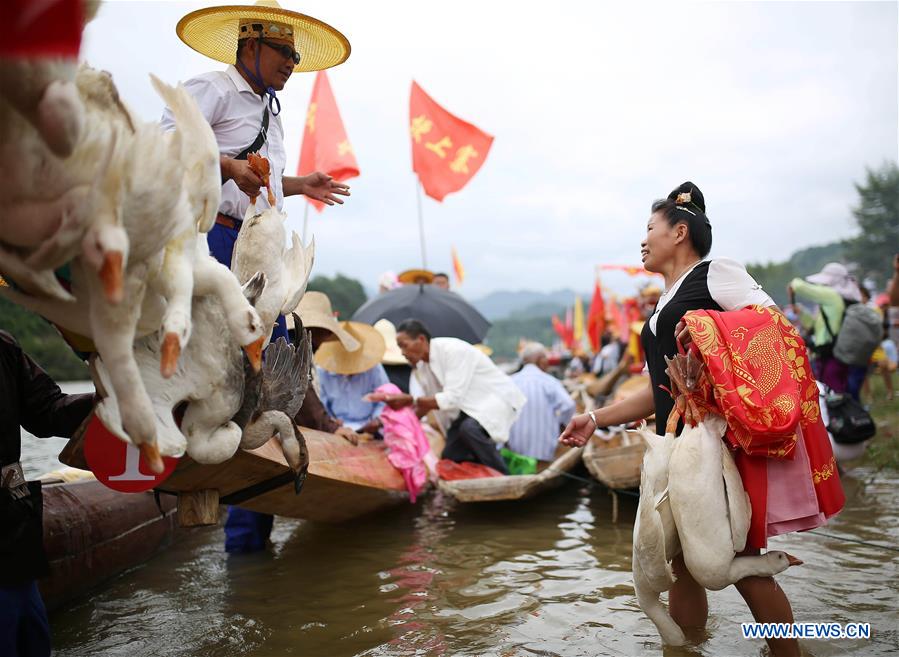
x=481, y=401
x=549, y=406
x=345, y=377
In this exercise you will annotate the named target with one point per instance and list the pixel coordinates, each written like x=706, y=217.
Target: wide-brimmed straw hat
x=392, y=354
x=315, y=311
x=214, y=32
x=333, y=357
x=412, y=276
x=836, y=276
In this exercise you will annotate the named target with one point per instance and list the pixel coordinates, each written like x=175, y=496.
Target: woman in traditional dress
x=678, y=237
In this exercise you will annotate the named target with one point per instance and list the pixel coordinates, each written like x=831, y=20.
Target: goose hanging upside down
x=273, y=398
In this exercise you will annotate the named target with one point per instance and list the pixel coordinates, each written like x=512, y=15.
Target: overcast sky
x=773, y=108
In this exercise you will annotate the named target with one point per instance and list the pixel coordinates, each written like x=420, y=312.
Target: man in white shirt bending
x=482, y=402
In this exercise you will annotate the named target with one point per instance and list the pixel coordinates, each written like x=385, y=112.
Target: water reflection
x=550, y=576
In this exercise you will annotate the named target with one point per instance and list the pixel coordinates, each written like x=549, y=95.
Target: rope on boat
x=590, y=482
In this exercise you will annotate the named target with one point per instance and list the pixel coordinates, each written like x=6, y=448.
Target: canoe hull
x=618, y=466
x=344, y=481
x=93, y=533
x=512, y=487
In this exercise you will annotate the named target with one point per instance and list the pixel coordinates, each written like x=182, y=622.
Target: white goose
x=209, y=376
x=260, y=246
x=711, y=509
x=60, y=208
x=655, y=536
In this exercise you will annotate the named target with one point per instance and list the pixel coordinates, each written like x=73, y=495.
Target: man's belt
x=228, y=222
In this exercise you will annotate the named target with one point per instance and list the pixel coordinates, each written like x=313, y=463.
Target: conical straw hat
x=315, y=311
x=333, y=357
x=392, y=355
x=213, y=32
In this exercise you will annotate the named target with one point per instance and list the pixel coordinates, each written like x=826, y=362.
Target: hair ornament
x=684, y=197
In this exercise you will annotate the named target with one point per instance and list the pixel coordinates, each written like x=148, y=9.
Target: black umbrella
x=445, y=314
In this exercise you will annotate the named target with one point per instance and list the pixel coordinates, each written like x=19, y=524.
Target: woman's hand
x=683, y=334
x=578, y=431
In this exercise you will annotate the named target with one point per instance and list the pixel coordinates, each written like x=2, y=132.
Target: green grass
x=883, y=450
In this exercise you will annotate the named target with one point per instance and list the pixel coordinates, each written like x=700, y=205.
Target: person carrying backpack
x=845, y=331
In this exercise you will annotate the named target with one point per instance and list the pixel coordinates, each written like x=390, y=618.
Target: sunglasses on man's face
x=286, y=51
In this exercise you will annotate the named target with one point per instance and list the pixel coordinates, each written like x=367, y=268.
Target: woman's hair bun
x=688, y=193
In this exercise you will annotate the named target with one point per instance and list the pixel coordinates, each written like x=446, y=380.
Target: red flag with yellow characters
x=446, y=151
x=325, y=144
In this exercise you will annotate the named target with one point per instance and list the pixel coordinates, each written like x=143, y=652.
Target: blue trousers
x=24, y=628
x=245, y=531
x=857, y=374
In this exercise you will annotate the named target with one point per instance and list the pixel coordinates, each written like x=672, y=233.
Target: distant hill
x=498, y=305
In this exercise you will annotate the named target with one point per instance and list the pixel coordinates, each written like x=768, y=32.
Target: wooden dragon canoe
x=512, y=487
x=343, y=481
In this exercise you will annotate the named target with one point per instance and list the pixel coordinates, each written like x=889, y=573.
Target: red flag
x=596, y=318
x=560, y=330
x=630, y=270
x=446, y=151
x=325, y=144
x=619, y=320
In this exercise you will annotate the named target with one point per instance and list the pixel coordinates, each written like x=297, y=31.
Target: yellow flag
x=578, y=319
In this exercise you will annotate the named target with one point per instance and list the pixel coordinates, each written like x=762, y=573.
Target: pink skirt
x=792, y=501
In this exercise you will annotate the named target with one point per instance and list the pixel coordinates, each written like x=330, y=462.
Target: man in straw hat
x=347, y=376
x=263, y=45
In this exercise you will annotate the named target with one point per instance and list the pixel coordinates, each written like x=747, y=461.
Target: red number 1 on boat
x=119, y=465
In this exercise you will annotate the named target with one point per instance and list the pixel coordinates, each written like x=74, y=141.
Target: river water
x=550, y=576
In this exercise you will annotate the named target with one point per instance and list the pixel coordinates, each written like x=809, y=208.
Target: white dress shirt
x=463, y=378
x=234, y=111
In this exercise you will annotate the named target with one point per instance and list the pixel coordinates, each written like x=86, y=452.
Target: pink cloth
x=408, y=447
x=792, y=501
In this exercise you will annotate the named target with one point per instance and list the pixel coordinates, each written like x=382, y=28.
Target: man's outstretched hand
x=324, y=188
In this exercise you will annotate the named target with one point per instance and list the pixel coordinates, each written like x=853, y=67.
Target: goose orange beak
x=254, y=353
x=151, y=455
x=171, y=350
x=112, y=276
x=793, y=560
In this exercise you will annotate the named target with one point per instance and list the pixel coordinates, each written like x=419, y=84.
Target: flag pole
x=305, y=220
x=421, y=228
